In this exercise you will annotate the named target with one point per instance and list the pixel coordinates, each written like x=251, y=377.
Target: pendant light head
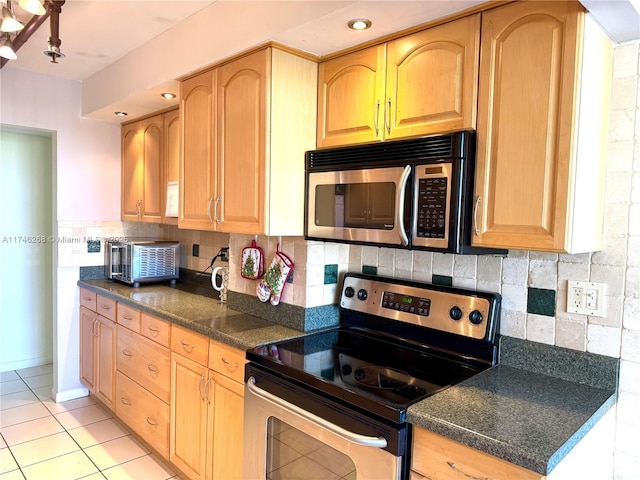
x=6, y=48
x=9, y=22
x=34, y=7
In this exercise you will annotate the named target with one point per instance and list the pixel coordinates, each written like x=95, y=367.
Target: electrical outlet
x=196, y=250
x=224, y=254
x=587, y=298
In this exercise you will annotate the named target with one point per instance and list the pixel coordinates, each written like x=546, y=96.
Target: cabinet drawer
x=144, y=361
x=147, y=415
x=155, y=329
x=189, y=344
x=129, y=317
x=227, y=360
x=106, y=307
x=88, y=299
x=438, y=457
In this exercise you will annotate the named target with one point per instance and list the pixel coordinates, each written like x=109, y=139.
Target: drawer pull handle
x=124, y=401
x=87, y=299
x=127, y=317
x=152, y=368
x=453, y=466
x=105, y=307
x=153, y=330
x=188, y=346
x=229, y=364
x=127, y=353
x=151, y=422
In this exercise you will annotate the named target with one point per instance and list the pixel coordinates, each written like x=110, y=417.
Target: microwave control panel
x=432, y=199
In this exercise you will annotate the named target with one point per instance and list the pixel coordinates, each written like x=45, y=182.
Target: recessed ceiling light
x=121, y=114
x=168, y=95
x=359, y=24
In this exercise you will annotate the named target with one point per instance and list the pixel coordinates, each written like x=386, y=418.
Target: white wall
x=86, y=189
x=26, y=255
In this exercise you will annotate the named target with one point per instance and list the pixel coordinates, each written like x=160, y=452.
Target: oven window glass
x=356, y=205
x=294, y=455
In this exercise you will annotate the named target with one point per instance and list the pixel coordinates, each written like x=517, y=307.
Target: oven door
x=285, y=441
x=365, y=206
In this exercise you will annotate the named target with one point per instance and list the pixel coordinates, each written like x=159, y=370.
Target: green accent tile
x=93, y=246
x=331, y=274
x=444, y=280
x=541, y=302
x=369, y=270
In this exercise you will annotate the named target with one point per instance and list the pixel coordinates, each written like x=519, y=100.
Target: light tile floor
x=44, y=440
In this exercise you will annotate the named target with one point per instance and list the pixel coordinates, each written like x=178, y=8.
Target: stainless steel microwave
x=415, y=193
x=142, y=261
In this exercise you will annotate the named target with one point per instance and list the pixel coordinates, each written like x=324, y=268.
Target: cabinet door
x=187, y=444
x=197, y=168
x=152, y=169
x=105, y=355
x=351, y=98
x=228, y=413
x=525, y=115
x=432, y=80
x=242, y=101
x=87, y=347
x=172, y=155
x=130, y=206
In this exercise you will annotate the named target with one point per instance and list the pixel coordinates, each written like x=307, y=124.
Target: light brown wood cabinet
x=148, y=155
x=542, y=123
x=437, y=457
x=197, y=162
x=245, y=127
x=143, y=378
x=419, y=84
x=207, y=406
x=97, y=347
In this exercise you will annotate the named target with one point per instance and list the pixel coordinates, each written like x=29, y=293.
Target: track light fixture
x=9, y=25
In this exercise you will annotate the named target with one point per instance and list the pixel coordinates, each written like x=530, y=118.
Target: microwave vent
x=157, y=262
x=433, y=147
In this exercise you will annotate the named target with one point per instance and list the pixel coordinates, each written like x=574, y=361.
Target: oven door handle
x=362, y=440
x=402, y=191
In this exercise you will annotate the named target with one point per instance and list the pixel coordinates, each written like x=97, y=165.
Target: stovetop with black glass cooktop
x=398, y=342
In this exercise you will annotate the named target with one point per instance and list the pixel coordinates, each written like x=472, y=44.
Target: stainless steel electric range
x=333, y=404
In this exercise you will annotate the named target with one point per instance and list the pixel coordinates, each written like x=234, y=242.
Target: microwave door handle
x=402, y=191
x=363, y=440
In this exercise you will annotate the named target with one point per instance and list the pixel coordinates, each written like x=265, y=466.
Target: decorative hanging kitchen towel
x=271, y=286
x=252, y=262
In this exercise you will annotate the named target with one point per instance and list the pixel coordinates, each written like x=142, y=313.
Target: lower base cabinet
x=207, y=409
x=437, y=457
x=145, y=413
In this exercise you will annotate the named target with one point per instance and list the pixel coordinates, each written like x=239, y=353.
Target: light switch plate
x=587, y=298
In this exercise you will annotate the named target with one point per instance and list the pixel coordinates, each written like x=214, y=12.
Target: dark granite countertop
x=202, y=314
x=531, y=417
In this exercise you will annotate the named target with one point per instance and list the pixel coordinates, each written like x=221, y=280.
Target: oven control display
x=406, y=303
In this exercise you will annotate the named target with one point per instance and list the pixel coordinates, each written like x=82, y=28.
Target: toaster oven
x=142, y=261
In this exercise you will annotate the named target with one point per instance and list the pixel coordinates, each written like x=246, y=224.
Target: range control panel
x=453, y=310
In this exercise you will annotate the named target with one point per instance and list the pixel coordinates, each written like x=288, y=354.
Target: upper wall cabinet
x=145, y=159
x=542, y=122
x=419, y=84
x=264, y=114
x=197, y=167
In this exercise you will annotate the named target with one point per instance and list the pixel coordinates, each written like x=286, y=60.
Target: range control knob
x=362, y=294
x=475, y=317
x=349, y=292
x=455, y=313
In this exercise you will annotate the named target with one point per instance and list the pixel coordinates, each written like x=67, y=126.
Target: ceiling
x=96, y=34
